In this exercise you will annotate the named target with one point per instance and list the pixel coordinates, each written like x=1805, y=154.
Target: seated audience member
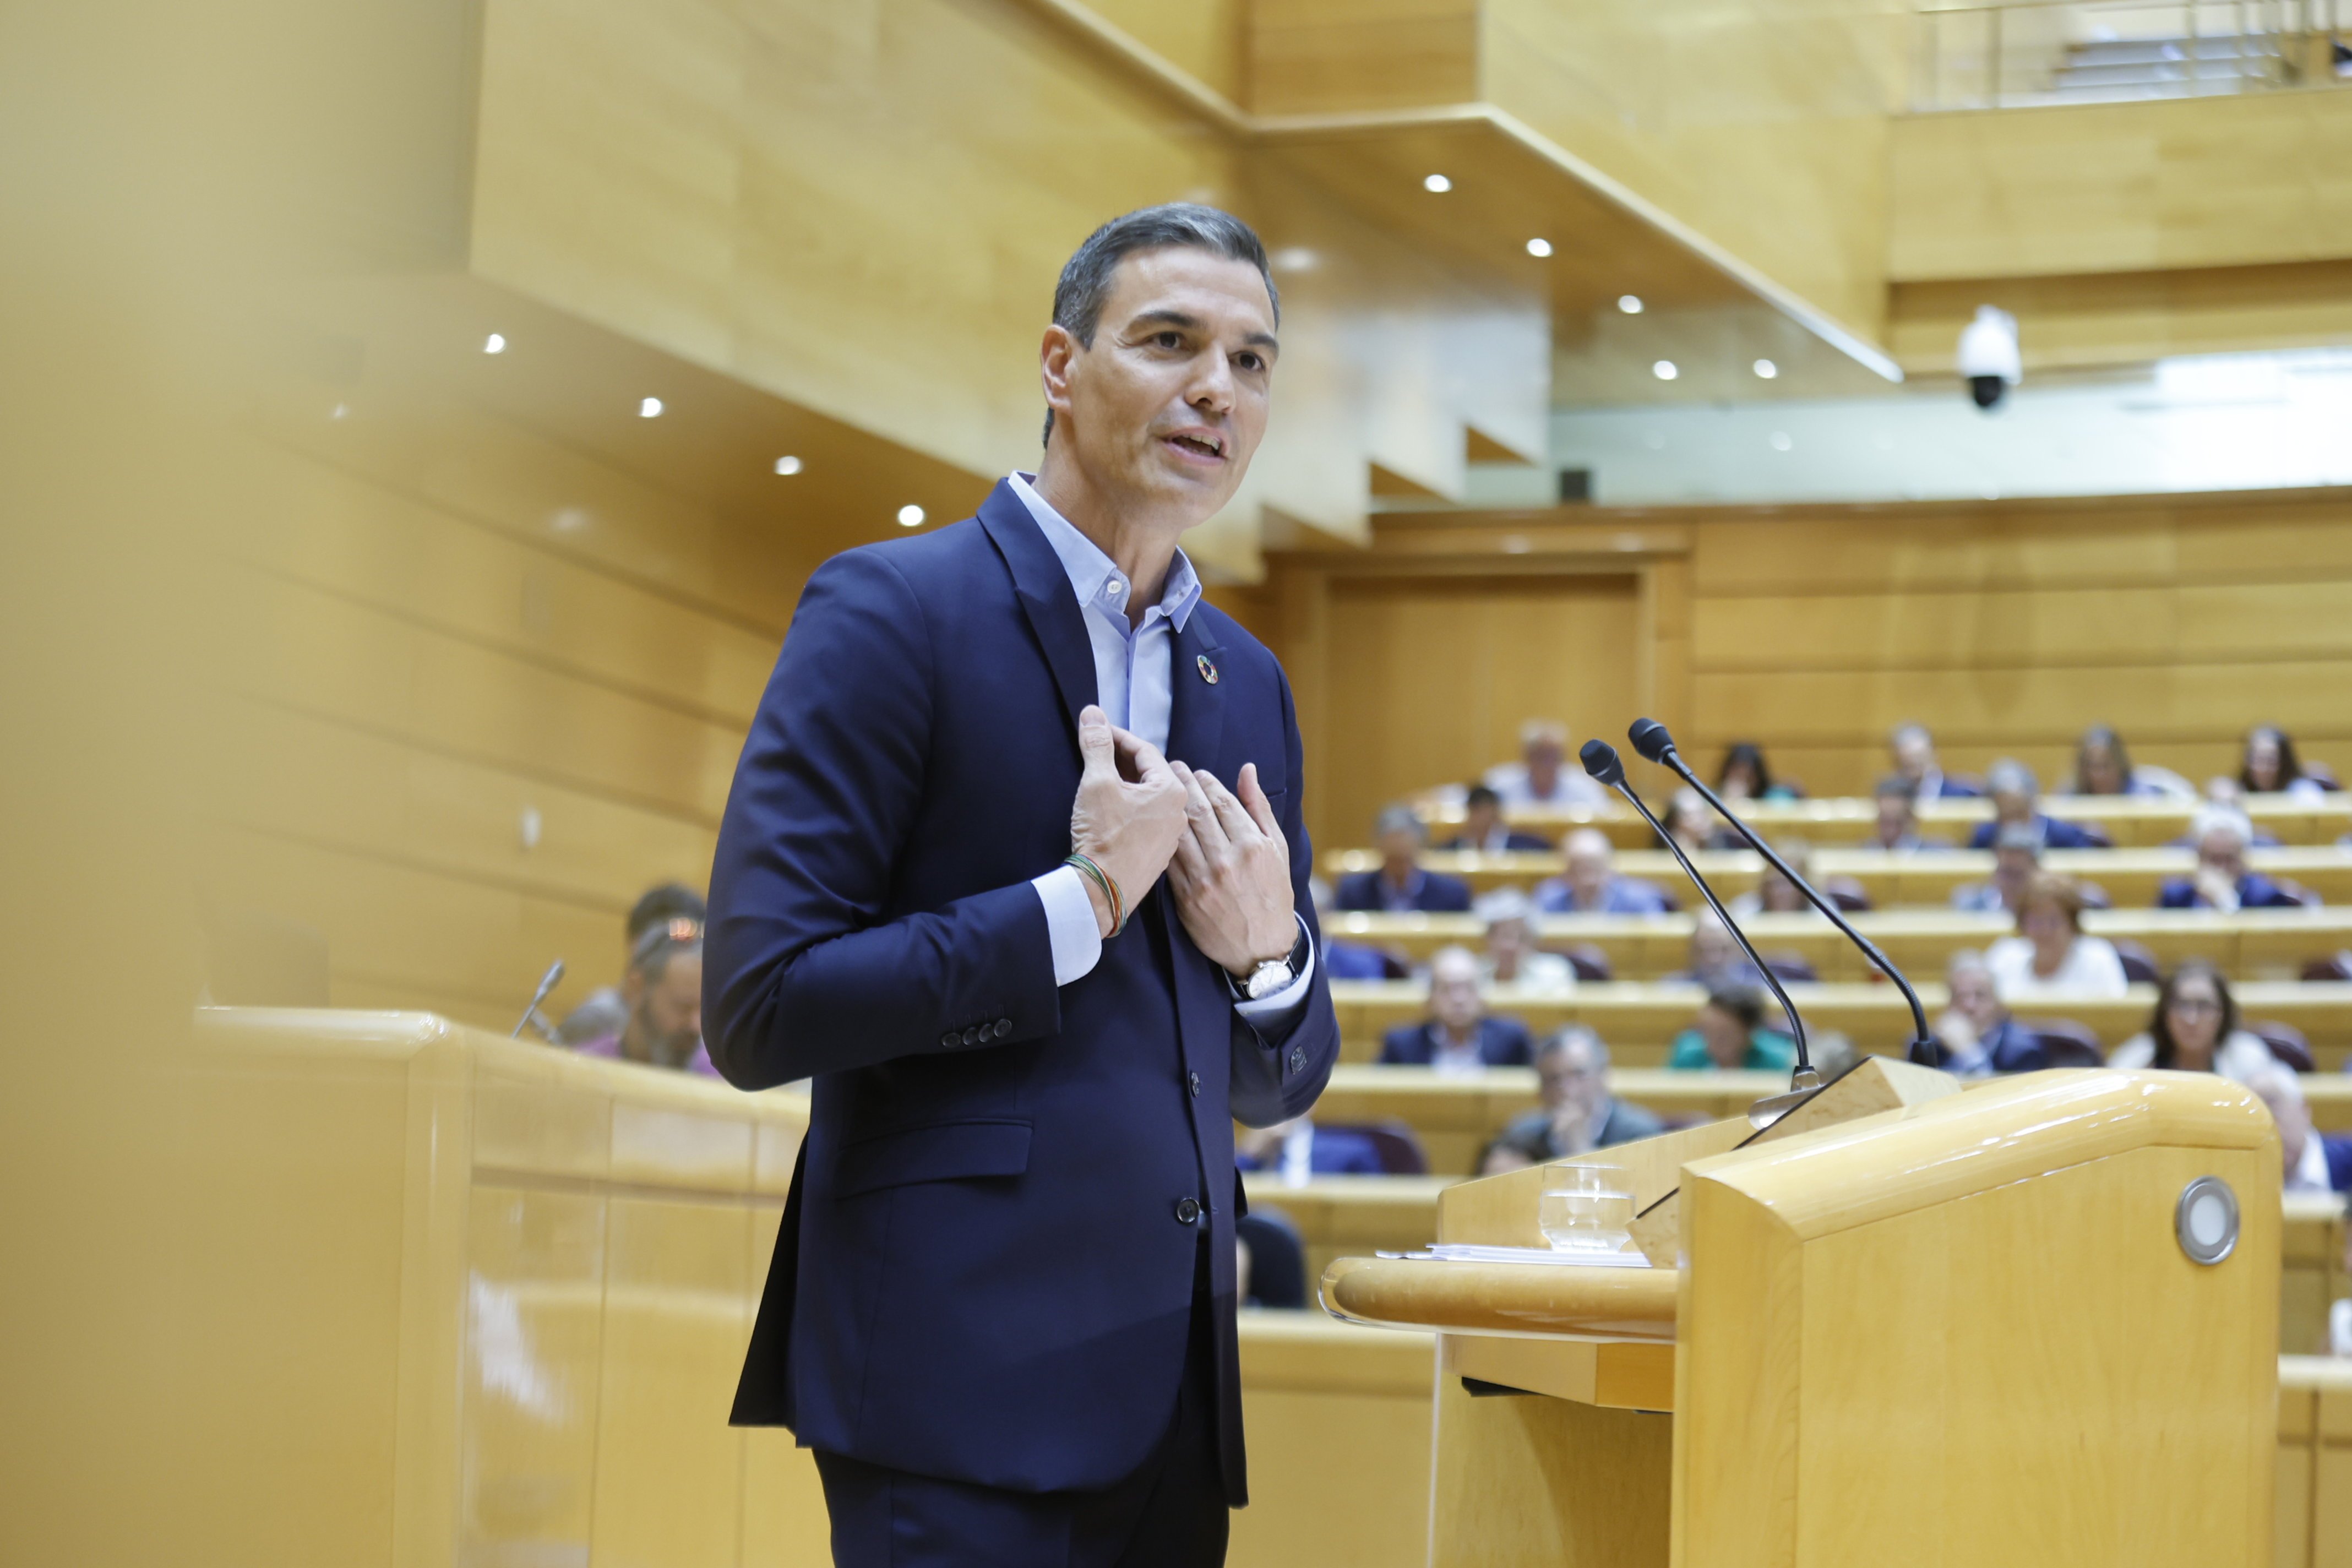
x=1592, y=888
x=1745, y=776
x=1512, y=957
x=2222, y=881
x=1459, y=1034
x=1484, y=829
x=2308, y=1163
x=1773, y=893
x=1729, y=1034
x=2195, y=1028
x=1715, y=959
x=2050, y=955
x=1347, y=960
x=1297, y=1149
x=1501, y=1156
x=1541, y=776
x=2272, y=767
x=601, y=1011
x=2102, y=766
x=2016, y=859
x=2227, y=792
x=1977, y=1034
x=1913, y=750
x=663, y=995
x=2017, y=802
x=1693, y=823
x=1897, y=828
x=1578, y=1113
x=1400, y=886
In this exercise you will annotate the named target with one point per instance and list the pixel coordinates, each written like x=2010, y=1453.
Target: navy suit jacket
x=1332, y=1152
x=1502, y=1043
x=985, y=1267
x=2255, y=891
x=1439, y=893
x=2057, y=833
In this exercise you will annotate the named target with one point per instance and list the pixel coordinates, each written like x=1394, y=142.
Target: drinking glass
x=1586, y=1208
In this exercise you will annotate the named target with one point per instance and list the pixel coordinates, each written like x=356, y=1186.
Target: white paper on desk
x=1464, y=1252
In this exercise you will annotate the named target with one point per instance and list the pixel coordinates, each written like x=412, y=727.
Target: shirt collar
x=1091, y=572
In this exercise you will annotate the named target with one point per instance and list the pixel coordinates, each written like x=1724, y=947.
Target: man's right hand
x=1129, y=812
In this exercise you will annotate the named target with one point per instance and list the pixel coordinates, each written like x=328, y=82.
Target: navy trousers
x=1171, y=1513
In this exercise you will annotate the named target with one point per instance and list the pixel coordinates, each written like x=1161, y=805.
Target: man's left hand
x=1231, y=875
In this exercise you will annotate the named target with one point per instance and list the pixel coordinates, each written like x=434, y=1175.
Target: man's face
x=2010, y=867
x=1587, y=858
x=1974, y=998
x=1481, y=819
x=1454, y=991
x=1543, y=757
x=1914, y=755
x=2221, y=851
x=1895, y=818
x=2013, y=806
x=1400, y=849
x=1164, y=409
x=665, y=1015
x=1711, y=947
x=1566, y=1076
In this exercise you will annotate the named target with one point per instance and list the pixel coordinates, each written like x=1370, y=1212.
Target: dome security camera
x=1989, y=359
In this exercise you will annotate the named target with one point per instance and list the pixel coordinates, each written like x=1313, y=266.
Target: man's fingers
x=1230, y=815
x=1138, y=755
x=1096, y=741
x=1199, y=810
x=1261, y=809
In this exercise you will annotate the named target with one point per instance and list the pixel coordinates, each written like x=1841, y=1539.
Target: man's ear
x=1057, y=361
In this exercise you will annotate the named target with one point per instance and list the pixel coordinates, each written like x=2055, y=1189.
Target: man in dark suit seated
x=2309, y=1162
x=1914, y=750
x=2017, y=800
x=1013, y=867
x=2221, y=880
x=1459, y=1035
x=1977, y=1036
x=1592, y=887
x=1484, y=829
x=1400, y=886
x=1578, y=1113
x=1297, y=1149
x=1897, y=828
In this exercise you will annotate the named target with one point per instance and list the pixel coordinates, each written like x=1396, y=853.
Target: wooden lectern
x=2036, y=1322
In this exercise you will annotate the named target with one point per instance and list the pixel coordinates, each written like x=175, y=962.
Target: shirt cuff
x=1268, y=1014
x=1070, y=923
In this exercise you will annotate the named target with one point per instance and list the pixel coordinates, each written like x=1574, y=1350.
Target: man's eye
x=1169, y=340
x=1251, y=362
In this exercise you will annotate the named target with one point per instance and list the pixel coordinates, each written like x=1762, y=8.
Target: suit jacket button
x=1192, y=1081
x=1297, y=1059
x=1004, y=1027
x=1187, y=1211
x=949, y=1040
x=971, y=1036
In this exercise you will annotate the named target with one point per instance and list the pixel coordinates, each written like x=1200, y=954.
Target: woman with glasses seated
x=2196, y=1029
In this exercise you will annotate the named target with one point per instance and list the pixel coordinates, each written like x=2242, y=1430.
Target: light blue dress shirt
x=1131, y=686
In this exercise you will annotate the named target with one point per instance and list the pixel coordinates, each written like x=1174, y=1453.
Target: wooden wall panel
x=1431, y=679
x=1323, y=56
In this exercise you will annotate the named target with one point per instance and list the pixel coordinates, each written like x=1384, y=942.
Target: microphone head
x=1649, y=739
x=1601, y=760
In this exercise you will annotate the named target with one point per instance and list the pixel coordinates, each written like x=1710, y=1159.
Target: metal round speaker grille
x=2207, y=1220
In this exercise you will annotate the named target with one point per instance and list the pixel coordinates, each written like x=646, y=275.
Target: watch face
x=1267, y=979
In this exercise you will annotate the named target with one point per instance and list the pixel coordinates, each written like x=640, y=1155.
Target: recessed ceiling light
x=1665, y=370
x=1539, y=247
x=649, y=408
x=495, y=343
x=1294, y=258
x=1630, y=303
x=1436, y=184
x=341, y=411
x=910, y=517
x=1780, y=442
x=788, y=465
x=1767, y=369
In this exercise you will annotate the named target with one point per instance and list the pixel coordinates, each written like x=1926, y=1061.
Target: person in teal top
x=1729, y=1034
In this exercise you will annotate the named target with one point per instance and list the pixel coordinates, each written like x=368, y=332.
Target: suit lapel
x=1043, y=589
x=1196, y=719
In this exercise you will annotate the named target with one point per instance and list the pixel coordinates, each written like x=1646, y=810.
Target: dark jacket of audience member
x=1330, y=1152
x=2057, y=833
x=1484, y=828
x=1502, y=1043
x=1352, y=961
x=2255, y=891
x=1430, y=892
x=1532, y=1134
x=2007, y=1047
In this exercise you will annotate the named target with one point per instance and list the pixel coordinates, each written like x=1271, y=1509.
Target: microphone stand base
x=1803, y=1084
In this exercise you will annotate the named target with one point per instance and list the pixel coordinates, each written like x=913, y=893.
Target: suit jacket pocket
x=942, y=1151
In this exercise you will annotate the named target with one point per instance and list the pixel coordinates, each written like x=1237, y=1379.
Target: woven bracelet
x=1087, y=867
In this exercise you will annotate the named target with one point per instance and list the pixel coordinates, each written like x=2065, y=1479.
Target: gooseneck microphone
x=1600, y=760
x=1649, y=739
x=547, y=983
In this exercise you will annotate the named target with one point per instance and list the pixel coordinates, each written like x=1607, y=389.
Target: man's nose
x=1212, y=390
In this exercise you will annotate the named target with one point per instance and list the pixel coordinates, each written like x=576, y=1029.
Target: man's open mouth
x=1199, y=445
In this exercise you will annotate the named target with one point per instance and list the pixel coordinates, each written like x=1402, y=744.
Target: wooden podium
x=1903, y=1325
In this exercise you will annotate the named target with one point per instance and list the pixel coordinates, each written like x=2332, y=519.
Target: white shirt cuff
x=1267, y=1014
x=1070, y=922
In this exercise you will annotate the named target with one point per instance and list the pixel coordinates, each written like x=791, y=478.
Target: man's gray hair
x=1085, y=285
x=2010, y=776
x=1399, y=819
x=1577, y=1035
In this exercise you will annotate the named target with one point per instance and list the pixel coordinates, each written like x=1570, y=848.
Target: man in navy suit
x=1014, y=870
x=2017, y=802
x=2222, y=881
x=1400, y=886
x=1460, y=1035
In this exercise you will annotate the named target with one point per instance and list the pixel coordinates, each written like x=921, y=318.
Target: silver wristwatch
x=1268, y=978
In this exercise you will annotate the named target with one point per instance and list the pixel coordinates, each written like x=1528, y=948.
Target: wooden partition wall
x=2007, y=626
